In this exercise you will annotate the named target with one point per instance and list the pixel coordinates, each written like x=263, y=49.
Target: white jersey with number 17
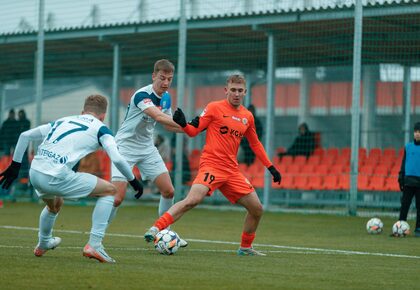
x=68, y=140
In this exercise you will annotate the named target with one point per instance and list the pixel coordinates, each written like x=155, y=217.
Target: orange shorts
x=233, y=185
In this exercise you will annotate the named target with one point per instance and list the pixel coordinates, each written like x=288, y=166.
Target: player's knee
x=117, y=200
x=257, y=211
x=168, y=193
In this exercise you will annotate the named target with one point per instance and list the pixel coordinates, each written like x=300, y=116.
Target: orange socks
x=247, y=240
x=164, y=221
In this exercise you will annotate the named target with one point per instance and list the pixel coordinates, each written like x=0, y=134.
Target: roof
x=309, y=37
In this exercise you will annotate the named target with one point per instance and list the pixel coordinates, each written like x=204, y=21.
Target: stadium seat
x=301, y=182
x=299, y=160
x=372, y=160
x=333, y=151
x=362, y=153
x=381, y=170
x=375, y=152
x=401, y=152
x=337, y=169
x=377, y=183
x=330, y=182
x=314, y=159
x=194, y=159
x=287, y=160
x=287, y=181
x=328, y=159
x=322, y=169
x=391, y=183
x=308, y=169
x=344, y=182
x=319, y=152
x=346, y=151
x=294, y=168
x=343, y=160
x=363, y=182
x=395, y=170
x=315, y=182
x=390, y=151
x=367, y=170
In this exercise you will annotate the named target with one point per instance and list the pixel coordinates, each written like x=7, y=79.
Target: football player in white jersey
x=65, y=142
x=135, y=139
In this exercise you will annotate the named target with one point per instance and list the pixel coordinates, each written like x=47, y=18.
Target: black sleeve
x=402, y=168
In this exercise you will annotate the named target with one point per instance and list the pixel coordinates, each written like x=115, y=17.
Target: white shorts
x=72, y=186
x=150, y=164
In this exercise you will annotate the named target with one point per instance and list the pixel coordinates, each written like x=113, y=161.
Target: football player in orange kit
x=227, y=122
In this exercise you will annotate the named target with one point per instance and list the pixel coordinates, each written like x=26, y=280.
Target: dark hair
x=163, y=65
x=417, y=126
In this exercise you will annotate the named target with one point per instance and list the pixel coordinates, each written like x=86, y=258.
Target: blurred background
x=335, y=85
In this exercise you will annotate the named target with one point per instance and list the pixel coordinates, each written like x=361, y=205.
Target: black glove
x=195, y=122
x=179, y=118
x=401, y=182
x=137, y=186
x=276, y=174
x=10, y=174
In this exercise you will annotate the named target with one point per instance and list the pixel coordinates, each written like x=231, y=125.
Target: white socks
x=46, y=224
x=165, y=204
x=100, y=217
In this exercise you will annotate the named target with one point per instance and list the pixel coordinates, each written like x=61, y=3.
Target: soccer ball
x=167, y=242
x=401, y=229
x=374, y=226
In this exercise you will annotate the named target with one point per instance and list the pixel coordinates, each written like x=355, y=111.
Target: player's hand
x=137, y=186
x=179, y=118
x=195, y=122
x=401, y=182
x=276, y=174
x=10, y=174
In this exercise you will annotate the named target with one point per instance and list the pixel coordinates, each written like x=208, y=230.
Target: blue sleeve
x=140, y=96
x=102, y=131
x=165, y=102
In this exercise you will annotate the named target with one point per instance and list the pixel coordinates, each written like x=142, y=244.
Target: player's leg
x=406, y=198
x=46, y=224
x=254, y=213
x=417, y=230
x=105, y=192
x=120, y=182
x=164, y=183
x=194, y=197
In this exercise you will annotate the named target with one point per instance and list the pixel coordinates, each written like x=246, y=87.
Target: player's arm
x=401, y=174
x=195, y=126
x=259, y=151
x=161, y=118
x=108, y=143
x=12, y=172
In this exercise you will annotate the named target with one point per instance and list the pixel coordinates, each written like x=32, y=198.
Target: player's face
x=417, y=135
x=162, y=81
x=235, y=93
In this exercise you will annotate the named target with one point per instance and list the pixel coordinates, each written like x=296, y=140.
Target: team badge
x=244, y=121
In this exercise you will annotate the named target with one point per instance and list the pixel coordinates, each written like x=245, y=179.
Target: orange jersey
x=226, y=126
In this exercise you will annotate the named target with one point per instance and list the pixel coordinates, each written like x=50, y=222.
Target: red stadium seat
x=381, y=170
x=363, y=182
x=375, y=152
x=377, y=183
x=332, y=151
x=316, y=182
x=330, y=182
x=344, y=182
x=390, y=151
x=322, y=169
x=308, y=169
x=287, y=160
x=314, y=159
x=287, y=181
x=391, y=183
x=294, y=168
x=346, y=151
x=319, y=152
x=301, y=182
x=299, y=160
x=367, y=170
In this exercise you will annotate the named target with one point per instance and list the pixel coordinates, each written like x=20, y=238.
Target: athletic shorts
x=150, y=165
x=232, y=184
x=74, y=185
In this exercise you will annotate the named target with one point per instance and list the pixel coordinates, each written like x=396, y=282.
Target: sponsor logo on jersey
x=55, y=157
x=236, y=118
x=224, y=130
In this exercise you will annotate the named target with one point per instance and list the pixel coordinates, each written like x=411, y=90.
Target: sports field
x=303, y=252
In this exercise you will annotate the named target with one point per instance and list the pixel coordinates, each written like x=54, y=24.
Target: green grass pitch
x=303, y=252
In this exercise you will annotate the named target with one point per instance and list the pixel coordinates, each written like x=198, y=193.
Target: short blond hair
x=236, y=79
x=164, y=65
x=95, y=104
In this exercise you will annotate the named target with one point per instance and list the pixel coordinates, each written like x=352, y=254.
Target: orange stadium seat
x=391, y=183
x=301, y=182
x=390, y=151
x=363, y=182
x=330, y=182
x=346, y=151
x=314, y=159
x=367, y=170
x=377, y=183
x=333, y=151
x=287, y=160
x=294, y=168
x=316, y=182
x=319, y=151
x=308, y=169
x=381, y=170
x=300, y=160
x=344, y=182
x=287, y=181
